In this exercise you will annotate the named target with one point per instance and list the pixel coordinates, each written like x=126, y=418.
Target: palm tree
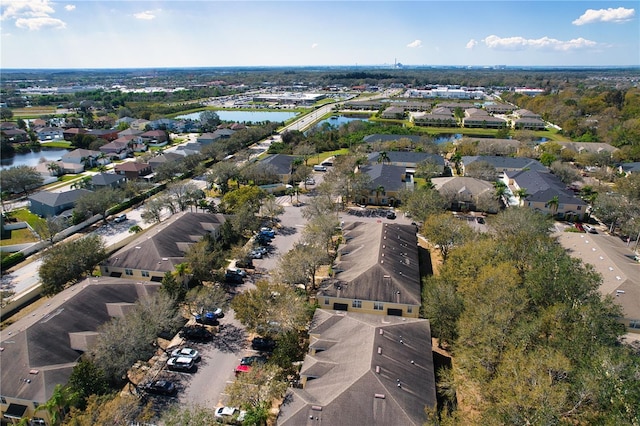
x=379, y=191
x=383, y=157
x=521, y=193
x=553, y=204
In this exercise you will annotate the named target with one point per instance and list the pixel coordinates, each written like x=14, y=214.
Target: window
x=409, y=309
x=128, y=272
x=3, y=400
x=579, y=208
x=378, y=306
x=326, y=300
x=145, y=273
x=634, y=324
x=356, y=304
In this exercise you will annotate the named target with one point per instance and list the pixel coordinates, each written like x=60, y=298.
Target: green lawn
x=24, y=215
x=57, y=144
x=19, y=236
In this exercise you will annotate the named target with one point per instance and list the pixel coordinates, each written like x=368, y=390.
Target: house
x=150, y=256
x=107, y=180
x=386, y=182
x=15, y=135
x=628, y=168
x=106, y=134
x=591, y=147
x=133, y=133
x=77, y=160
x=117, y=149
x=133, y=170
x=479, y=118
x=163, y=158
x=363, y=370
x=498, y=108
x=188, y=149
x=40, y=353
x=223, y=133
x=505, y=164
x=529, y=123
x=139, y=124
x=541, y=191
x=47, y=204
x=155, y=137
x=70, y=133
x=49, y=133
x=463, y=193
x=376, y=271
x=369, y=139
x=207, y=138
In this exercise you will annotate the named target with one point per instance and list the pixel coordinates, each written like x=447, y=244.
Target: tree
x=20, y=179
x=443, y=306
x=206, y=298
x=383, y=158
x=249, y=197
x=422, y=203
x=521, y=194
x=379, y=191
x=172, y=287
x=270, y=208
x=552, y=205
x=182, y=193
x=49, y=227
x=565, y=172
x=189, y=416
x=69, y=261
x=257, y=388
x=5, y=114
x=220, y=173
x=300, y=265
x=99, y=202
x=202, y=260
x=168, y=170
x=629, y=186
x=209, y=120
x=446, y=232
x=152, y=211
x=320, y=230
x=87, y=379
x=481, y=170
x=270, y=304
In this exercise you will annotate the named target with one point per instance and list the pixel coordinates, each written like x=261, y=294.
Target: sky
x=212, y=33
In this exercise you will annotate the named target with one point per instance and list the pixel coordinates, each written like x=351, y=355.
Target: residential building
x=150, y=256
x=106, y=134
x=629, y=168
x=280, y=164
x=77, y=160
x=47, y=204
x=408, y=159
x=545, y=193
x=363, y=370
x=492, y=146
x=592, y=147
x=386, y=182
x=15, y=135
x=39, y=354
x=133, y=170
x=118, y=149
x=479, y=118
x=393, y=113
x=439, y=117
x=49, y=133
x=376, y=271
x=158, y=160
x=70, y=133
x=107, y=180
x=464, y=193
x=155, y=137
x=505, y=164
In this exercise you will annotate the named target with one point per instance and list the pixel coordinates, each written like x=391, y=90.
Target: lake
x=245, y=116
x=340, y=120
x=32, y=158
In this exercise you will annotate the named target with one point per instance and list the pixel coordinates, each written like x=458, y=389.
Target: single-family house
x=544, y=192
x=15, y=135
x=78, y=160
x=106, y=134
x=155, y=137
x=156, y=161
x=107, y=180
x=139, y=124
x=130, y=132
x=393, y=112
x=47, y=204
x=72, y=132
x=149, y=257
x=629, y=168
x=207, y=138
x=49, y=133
x=376, y=271
x=117, y=149
x=408, y=159
x=363, y=370
x=280, y=164
x=133, y=170
x=37, y=355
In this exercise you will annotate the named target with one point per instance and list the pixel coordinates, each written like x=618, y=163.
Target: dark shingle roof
x=377, y=371
x=386, y=175
x=54, y=199
x=105, y=179
x=501, y=163
x=379, y=262
x=542, y=186
x=280, y=162
x=407, y=157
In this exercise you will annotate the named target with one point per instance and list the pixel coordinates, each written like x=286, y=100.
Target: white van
x=318, y=168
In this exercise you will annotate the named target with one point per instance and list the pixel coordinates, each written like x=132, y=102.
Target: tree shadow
x=287, y=230
x=229, y=338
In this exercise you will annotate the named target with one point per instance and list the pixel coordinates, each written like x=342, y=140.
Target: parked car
x=579, y=227
x=319, y=168
x=267, y=232
x=238, y=271
x=187, y=353
x=590, y=229
x=391, y=215
x=230, y=414
x=180, y=363
x=253, y=359
x=310, y=181
x=120, y=218
x=263, y=344
x=480, y=220
x=161, y=387
x=208, y=318
x=195, y=333
x=233, y=277
x=254, y=254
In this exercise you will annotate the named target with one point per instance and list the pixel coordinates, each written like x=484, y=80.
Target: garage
x=394, y=312
x=340, y=306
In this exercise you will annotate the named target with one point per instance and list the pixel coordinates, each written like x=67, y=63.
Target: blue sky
x=209, y=33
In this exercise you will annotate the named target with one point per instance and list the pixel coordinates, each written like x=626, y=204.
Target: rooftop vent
x=379, y=395
x=316, y=408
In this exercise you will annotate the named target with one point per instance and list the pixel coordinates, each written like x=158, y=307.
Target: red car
x=579, y=227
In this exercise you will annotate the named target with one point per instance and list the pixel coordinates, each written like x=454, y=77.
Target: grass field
x=33, y=112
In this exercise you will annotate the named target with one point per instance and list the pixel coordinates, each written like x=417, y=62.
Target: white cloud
x=415, y=43
x=35, y=24
x=147, y=15
x=471, y=44
x=314, y=45
x=605, y=15
x=544, y=43
x=70, y=7
x=14, y=9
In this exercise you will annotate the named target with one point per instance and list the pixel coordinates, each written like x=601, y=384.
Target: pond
x=245, y=116
x=339, y=120
x=32, y=158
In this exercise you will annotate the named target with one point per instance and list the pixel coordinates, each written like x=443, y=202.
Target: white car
x=230, y=413
x=186, y=353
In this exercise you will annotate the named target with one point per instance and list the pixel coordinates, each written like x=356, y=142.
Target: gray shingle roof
x=542, y=186
x=379, y=262
x=54, y=199
x=501, y=163
x=377, y=371
x=407, y=157
x=386, y=175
